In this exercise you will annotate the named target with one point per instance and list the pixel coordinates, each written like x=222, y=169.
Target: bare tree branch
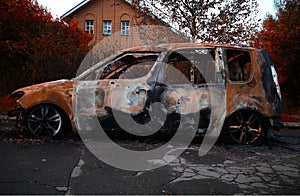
x=230, y=21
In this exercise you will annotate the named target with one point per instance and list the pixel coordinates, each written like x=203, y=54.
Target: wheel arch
x=253, y=109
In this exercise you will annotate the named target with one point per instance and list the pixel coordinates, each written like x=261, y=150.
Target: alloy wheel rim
x=44, y=119
x=245, y=127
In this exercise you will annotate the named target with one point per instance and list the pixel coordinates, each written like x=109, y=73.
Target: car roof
x=174, y=46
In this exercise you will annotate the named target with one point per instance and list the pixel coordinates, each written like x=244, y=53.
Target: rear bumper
x=276, y=123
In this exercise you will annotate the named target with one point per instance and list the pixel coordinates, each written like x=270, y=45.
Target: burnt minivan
x=182, y=78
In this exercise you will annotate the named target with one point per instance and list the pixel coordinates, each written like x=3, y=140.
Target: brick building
x=102, y=18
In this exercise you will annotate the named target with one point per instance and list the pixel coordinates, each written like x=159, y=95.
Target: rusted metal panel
x=58, y=93
x=251, y=94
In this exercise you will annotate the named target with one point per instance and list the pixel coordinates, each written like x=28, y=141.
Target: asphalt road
x=68, y=167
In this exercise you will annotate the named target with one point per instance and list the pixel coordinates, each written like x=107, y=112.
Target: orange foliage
x=7, y=104
x=35, y=47
x=281, y=38
x=290, y=117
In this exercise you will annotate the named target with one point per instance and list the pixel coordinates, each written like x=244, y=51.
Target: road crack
x=75, y=171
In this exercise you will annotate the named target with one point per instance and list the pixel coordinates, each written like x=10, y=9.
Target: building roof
x=81, y=4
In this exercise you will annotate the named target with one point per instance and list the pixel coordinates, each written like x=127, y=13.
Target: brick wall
x=114, y=10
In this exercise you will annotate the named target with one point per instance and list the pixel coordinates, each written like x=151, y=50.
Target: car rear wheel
x=245, y=127
x=46, y=121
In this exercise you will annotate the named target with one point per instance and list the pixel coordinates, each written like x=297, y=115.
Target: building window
x=125, y=27
x=107, y=27
x=89, y=26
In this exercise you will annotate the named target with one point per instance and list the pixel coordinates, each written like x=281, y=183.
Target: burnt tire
x=47, y=122
x=245, y=127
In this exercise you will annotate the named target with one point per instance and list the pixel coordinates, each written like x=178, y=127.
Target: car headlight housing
x=17, y=95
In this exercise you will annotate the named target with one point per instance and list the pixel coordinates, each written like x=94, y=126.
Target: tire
x=245, y=127
x=47, y=121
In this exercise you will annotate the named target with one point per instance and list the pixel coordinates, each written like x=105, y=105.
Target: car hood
x=52, y=84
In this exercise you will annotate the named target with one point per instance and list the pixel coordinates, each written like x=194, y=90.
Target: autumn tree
x=35, y=47
x=280, y=36
x=230, y=21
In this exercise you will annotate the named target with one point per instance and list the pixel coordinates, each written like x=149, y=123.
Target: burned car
x=181, y=77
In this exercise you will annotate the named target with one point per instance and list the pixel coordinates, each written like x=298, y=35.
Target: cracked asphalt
x=67, y=167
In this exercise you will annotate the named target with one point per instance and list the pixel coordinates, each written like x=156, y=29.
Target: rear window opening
x=239, y=65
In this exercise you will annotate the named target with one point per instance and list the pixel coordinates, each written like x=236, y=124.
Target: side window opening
x=129, y=66
x=239, y=65
x=178, y=69
x=191, y=66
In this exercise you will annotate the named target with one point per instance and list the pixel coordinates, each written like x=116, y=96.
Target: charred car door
x=123, y=84
x=193, y=78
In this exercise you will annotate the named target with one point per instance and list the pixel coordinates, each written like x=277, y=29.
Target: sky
x=59, y=7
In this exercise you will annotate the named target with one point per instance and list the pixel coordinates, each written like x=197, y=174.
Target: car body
x=179, y=76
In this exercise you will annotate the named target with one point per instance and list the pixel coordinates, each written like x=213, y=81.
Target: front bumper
x=15, y=113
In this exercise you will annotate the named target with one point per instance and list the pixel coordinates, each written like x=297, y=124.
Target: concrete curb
x=5, y=117
x=291, y=124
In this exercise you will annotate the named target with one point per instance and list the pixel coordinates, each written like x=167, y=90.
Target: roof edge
x=75, y=8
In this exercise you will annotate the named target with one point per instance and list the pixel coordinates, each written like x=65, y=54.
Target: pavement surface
x=31, y=166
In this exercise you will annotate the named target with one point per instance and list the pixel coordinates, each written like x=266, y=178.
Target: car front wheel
x=46, y=121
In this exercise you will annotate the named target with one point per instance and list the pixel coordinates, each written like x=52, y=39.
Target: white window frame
x=107, y=27
x=125, y=27
x=89, y=26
